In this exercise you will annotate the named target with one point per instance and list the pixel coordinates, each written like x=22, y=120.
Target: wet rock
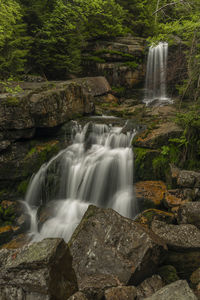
x=4, y=145
x=6, y=234
x=189, y=213
x=43, y=270
x=78, y=296
x=149, y=286
x=184, y=236
x=158, y=137
x=148, y=216
x=121, y=292
x=174, y=291
x=150, y=194
x=107, y=244
x=168, y=274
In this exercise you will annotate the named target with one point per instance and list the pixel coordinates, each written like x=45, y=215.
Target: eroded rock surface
x=107, y=244
x=39, y=271
x=189, y=213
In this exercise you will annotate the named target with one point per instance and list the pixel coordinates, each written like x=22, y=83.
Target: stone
x=158, y=137
x=43, y=270
x=188, y=179
x=195, y=277
x=149, y=286
x=121, y=292
x=148, y=216
x=78, y=296
x=107, y=244
x=150, y=194
x=178, y=290
x=174, y=198
x=181, y=237
x=17, y=242
x=189, y=213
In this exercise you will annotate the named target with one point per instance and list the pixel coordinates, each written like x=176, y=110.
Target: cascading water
x=96, y=169
x=155, y=85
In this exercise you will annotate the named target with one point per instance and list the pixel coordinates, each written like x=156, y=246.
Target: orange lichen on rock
x=152, y=192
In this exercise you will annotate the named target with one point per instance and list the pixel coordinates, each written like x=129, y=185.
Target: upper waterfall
x=96, y=169
x=155, y=84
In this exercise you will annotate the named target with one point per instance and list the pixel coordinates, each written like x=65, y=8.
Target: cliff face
x=121, y=61
x=39, y=110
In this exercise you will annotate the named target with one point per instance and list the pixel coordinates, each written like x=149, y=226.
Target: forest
x=47, y=37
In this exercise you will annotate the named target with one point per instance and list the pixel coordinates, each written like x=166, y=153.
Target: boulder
x=121, y=292
x=188, y=179
x=95, y=86
x=149, y=286
x=150, y=194
x=158, y=137
x=184, y=246
x=106, y=246
x=195, y=277
x=38, y=271
x=180, y=237
x=178, y=290
x=189, y=213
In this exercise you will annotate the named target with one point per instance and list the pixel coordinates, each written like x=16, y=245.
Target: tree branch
x=172, y=3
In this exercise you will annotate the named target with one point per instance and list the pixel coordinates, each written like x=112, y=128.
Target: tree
x=13, y=40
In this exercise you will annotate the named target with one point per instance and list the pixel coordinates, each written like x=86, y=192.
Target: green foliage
x=131, y=64
x=14, y=43
x=10, y=86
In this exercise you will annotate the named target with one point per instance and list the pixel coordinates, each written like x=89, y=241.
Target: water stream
x=155, y=84
x=97, y=168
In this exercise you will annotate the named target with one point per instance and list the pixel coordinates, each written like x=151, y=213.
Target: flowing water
x=96, y=169
x=155, y=85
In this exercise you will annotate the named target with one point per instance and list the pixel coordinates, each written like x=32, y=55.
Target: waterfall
x=96, y=169
x=155, y=85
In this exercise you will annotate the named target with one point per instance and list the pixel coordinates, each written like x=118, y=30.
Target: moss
x=95, y=59
x=143, y=164
x=168, y=274
x=22, y=187
x=119, y=90
x=131, y=64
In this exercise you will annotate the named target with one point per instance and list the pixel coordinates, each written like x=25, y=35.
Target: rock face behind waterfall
x=41, y=271
x=110, y=250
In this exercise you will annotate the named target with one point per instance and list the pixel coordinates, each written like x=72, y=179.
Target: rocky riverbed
x=154, y=256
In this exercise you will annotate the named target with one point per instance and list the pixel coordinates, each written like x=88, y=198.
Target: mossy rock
x=143, y=164
x=149, y=215
x=168, y=273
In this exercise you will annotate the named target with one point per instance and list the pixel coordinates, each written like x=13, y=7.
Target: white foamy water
x=155, y=84
x=96, y=169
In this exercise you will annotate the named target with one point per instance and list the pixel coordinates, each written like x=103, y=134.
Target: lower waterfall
x=97, y=168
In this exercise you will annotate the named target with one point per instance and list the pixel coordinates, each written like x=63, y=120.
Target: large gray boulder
x=110, y=250
x=178, y=290
x=180, y=237
x=189, y=213
x=39, y=271
x=184, y=246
